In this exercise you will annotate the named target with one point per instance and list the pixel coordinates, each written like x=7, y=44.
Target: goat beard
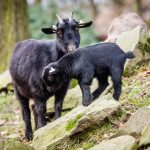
x=67, y=49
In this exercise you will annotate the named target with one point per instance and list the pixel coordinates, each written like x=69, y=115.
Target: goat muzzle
x=71, y=47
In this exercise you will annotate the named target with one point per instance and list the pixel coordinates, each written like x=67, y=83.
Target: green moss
x=96, y=133
x=72, y=122
x=64, y=112
x=145, y=47
x=134, y=70
x=52, y=147
x=140, y=103
x=119, y=114
x=135, y=91
x=91, y=136
x=11, y=116
x=88, y=145
x=73, y=83
x=14, y=145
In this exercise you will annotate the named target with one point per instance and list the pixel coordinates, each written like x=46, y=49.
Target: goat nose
x=71, y=47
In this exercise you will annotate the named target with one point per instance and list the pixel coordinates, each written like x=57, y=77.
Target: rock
x=74, y=97
x=128, y=40
x=5, y=81
x=120, y=143
x=145, y=137
x=14, y=145
x=132, y=41
x=136, y=123
x=77, y=120
x=121, y=24
x=12, y=136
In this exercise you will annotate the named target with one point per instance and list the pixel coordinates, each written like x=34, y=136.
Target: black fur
x=26, y=66
x=100, y=61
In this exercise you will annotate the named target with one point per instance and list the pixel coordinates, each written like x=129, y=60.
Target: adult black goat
x=26, y=66
x=100, y=61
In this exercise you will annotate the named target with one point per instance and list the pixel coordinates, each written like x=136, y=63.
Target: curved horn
x=59, y=18
x=71, y=16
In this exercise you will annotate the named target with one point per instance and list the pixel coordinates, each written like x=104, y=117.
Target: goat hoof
x=86, y=103
x=116, y=98
x=29, y=136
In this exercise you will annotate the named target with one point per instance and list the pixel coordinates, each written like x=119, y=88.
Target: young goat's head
x=67, y=32
x=52, y=74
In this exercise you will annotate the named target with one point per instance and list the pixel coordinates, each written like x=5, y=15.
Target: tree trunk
x=37, y=2
x=139, y=7
x=94, y=8
x=13, y=27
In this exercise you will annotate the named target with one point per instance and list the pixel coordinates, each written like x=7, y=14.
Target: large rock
x=74, y=97
x=14, y=145
x=145, y=138
x=134, y=40
x=124, y=22
x=120, y=143
x=5, y=81
x=72, y=100
x=136, y=122
x=79, y=119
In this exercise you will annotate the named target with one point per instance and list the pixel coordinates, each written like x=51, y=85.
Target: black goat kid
x=26, y=66
x=100, y=61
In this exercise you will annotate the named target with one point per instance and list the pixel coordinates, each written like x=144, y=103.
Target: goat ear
x=48, y=30
x=84, y=24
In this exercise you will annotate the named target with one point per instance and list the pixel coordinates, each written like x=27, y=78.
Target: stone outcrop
x=136, y=123
x=134, y=40
x=14, y=145
x=55, y=134
x=120, y=143
x=145, y=137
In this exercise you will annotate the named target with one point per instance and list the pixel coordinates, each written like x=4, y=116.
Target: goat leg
x=86, y=94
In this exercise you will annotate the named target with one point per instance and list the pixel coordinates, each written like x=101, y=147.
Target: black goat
x=100, y=61
x=26, y=66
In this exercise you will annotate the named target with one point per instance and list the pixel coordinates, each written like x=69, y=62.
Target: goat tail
x=130, y=55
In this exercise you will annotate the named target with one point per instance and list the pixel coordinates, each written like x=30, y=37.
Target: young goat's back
x=103, y=54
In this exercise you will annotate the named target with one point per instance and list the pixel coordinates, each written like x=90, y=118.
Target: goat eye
x=77, y=29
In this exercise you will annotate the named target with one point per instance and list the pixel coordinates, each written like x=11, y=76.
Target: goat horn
x=59, y=18
x=81, y=21
x=71, y=16
x=54, y=27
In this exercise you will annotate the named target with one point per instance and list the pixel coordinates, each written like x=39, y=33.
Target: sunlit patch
x=71, y=47
x=52, y=70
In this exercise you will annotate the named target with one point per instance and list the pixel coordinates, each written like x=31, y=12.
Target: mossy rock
x=120, y=143
x=74, y=97
x=145, y=137
x=137, y=41
x=14, y=145
x=72, y=122
x=80, y=119
x=5, y=82
x=136, y=123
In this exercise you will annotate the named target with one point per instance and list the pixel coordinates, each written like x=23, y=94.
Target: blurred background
x=22, y=19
